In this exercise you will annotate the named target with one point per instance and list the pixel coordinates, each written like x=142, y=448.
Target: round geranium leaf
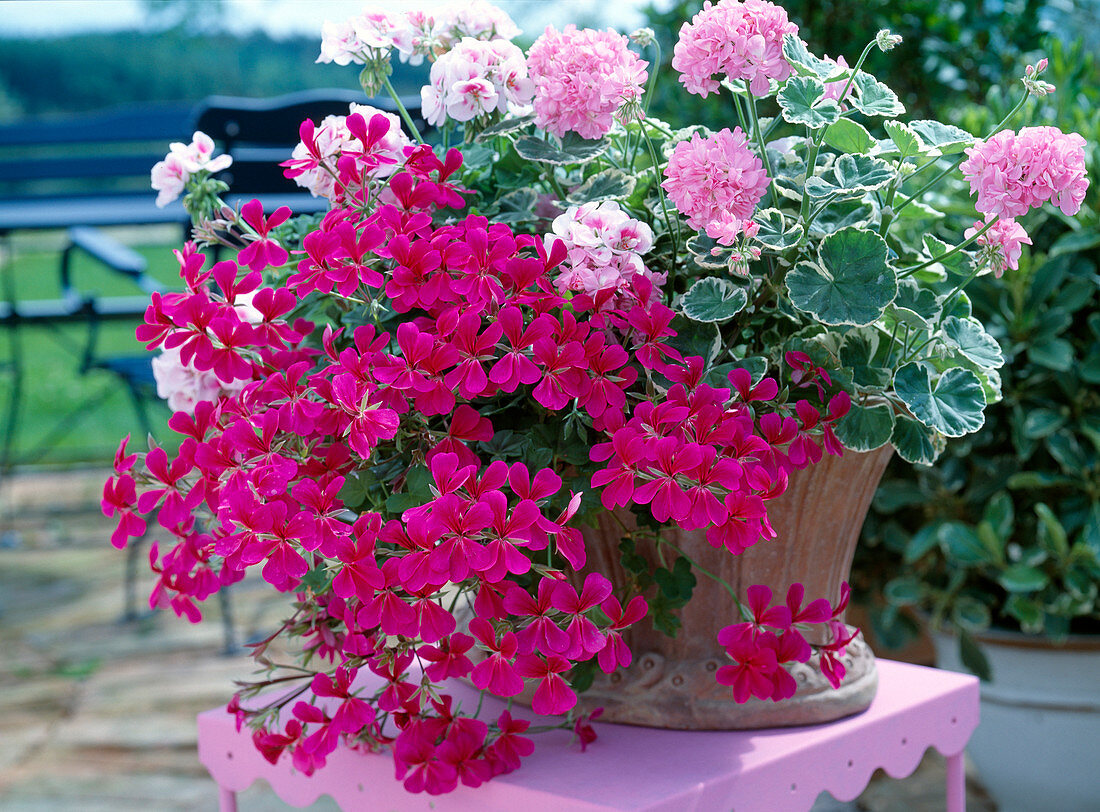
x=775, y=232
x=970, y=338
x=610, y=184
x=802, y=100
x=954, y=406
x=713, y=300
x=851, y=283
x=865, y=428
x=913, y=441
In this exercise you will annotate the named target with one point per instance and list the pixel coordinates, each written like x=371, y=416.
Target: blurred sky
x=280, y=18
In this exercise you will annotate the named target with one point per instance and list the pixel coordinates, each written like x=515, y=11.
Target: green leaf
x=970, y=614
x=913, y=440
x=849, y=136
x=873, y=98
x=907, y=141
x=959, y=263
x=849, y=284
x=973, y=657
x=805, y=63
x=572, y=151
x=505, y=127
x=1052, y=536
x=505, y=443
x=969, y=337
x=802, y=101
x=921, y=543
x=851, y=176
x=903, y=591
x=1054, y=353
x=865, y=428
x=1025, y=610
x=1076, y=242
x=1022, y=578
x=920, y=300
x=774, y=231
x=1001, y=514
x=610, y=184
x=947, y=138
x=962, y=545
x=954, y=407
x=707, y=253
x=713, y=300
x=1041, y=423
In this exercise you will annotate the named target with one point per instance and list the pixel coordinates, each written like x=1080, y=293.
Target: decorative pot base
x=683, y=694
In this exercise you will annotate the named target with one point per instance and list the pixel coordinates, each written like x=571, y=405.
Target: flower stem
x=673, y=233
x=695, y=564
x=401, y=109
x=759, y=136
x=910, y=271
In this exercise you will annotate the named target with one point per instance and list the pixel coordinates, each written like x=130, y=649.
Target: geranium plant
x=559, y=306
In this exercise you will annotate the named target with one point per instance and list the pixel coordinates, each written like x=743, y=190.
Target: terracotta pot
x=671, y=683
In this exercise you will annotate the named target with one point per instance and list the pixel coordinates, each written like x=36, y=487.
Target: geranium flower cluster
x=372, y=152
x=773, y=637
x=1014, y=172
x=476, y=79
x=374, y=33
x=171, y=176
x=583, y=80
x=605, y=247
x=469, y=574
x=716, y=182
x=734, y=41
x=1003, y=243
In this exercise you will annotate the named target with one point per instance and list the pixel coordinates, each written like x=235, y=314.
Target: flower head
x=1013, y=172
x=1003, y=243
x=583, y=79
x=714, y=180
x=735, y=41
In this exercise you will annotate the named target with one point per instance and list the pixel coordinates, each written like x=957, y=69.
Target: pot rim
x=1010, y=638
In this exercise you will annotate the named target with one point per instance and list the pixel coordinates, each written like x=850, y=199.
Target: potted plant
x=1000, y=542
x=567, y=314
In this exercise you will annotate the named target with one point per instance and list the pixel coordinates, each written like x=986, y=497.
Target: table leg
x=956, y=783
x=227, y=800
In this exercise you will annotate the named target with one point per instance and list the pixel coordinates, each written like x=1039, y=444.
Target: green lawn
x=53, y=388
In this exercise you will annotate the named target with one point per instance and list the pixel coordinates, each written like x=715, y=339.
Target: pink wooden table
x=633, y=768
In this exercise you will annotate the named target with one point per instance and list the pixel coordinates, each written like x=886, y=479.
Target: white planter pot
x=1037, y=746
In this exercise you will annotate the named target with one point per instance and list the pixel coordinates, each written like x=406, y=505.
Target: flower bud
x=885, y=40
x=643, y=37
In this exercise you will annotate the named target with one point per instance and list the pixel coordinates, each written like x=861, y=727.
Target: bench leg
x=956, y=783
x=227, y=800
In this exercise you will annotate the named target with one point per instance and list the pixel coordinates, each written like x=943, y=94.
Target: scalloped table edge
x=629, y=768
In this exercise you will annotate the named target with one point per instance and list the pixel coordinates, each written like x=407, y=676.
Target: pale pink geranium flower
x=340, y=44
x=471, y=18
x=1014, y=172
x=182, y=385
x=1004, y=240
x=476, y=78
x=198, y=156
x=169, y=178
x=735, y=41
x=604, y=246
x=583, y=79
x=716, y=182
x=473, y=97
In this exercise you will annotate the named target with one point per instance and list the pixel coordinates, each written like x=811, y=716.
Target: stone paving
x=98, y=715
